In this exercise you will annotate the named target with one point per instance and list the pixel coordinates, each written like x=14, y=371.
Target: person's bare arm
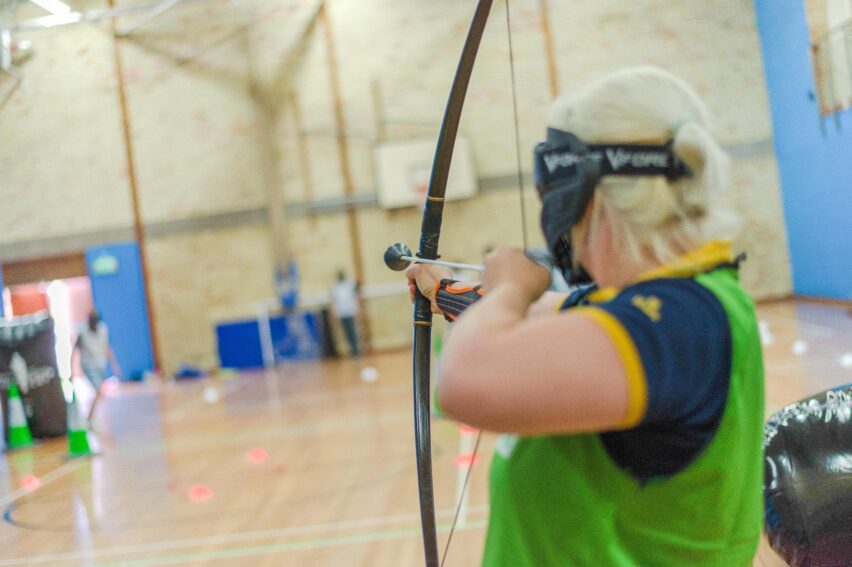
x=503, y=371
x=545, y=305
x=555, y=374
x=113, y=361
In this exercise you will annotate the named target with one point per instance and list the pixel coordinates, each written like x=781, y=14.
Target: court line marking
x=269, y=432
x=247, y=437
x=253, y=436
x=171, y=545
x=290, y=546
x=798, y=324
x=196, y=399
x=302, y=398
x=53, y=475
x=202, y=441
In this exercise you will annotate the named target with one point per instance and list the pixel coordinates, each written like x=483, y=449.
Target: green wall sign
x=105, y=265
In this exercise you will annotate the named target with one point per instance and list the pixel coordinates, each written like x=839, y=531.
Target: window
x=830, y=23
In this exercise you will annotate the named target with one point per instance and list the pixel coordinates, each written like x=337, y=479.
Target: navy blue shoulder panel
x=683, y=337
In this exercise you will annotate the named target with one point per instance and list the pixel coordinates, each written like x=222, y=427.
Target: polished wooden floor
x=309, y=465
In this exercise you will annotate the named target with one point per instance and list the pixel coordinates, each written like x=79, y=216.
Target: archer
x=632, y=410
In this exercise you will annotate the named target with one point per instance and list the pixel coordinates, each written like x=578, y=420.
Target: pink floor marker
x=467, y=430
x=200, y=493
x=256, y=456
x=463, y=461
x=30, y=482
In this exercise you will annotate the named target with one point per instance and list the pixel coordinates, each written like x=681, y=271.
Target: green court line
x=282, y=547
x=242, y=437
x=287, y=431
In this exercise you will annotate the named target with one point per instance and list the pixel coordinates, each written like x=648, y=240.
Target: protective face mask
x=566, y=173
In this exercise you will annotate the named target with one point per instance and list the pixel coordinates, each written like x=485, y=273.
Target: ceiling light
x=53, y=6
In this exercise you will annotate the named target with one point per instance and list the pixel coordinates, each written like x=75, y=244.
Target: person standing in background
x=95, y=351
x=287, y=286
x=344, y=304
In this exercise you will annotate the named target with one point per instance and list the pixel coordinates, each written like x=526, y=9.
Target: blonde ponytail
x=659, y=219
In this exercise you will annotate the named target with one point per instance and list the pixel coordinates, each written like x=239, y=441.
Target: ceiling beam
x=52, y=21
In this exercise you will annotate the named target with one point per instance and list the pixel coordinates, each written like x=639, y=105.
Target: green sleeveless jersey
x=562, y=500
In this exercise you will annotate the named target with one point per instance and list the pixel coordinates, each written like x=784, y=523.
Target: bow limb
x=430, y=233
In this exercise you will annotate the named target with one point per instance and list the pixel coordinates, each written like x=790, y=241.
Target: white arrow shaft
x=457, y=265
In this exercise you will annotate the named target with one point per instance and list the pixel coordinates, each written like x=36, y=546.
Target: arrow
x=399, y=256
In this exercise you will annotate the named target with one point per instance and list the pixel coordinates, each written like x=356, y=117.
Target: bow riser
x=429, y=236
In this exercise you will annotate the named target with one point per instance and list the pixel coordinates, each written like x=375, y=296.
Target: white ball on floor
x=211, y=394
x=846, y=360
x=369, y=374
x=799, y=348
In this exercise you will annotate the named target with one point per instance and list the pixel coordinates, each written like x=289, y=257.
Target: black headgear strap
x=567, y=172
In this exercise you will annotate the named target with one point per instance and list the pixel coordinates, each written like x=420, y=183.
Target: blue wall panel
x=814, y=156
x=239, y=345
x=119, y=295
x=294, y=337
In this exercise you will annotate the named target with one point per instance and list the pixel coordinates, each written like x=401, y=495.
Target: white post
x=264, y=330
x=464, y=463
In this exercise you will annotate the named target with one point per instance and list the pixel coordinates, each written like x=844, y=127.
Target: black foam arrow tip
x=394, y=254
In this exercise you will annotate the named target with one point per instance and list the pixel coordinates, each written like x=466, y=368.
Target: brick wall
x=194, y=77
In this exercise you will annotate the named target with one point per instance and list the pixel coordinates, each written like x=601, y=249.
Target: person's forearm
x=113, y=361
x=501, y=310
x=547, y=304
x=477, y=338
x=495, y=313
x=452, y=304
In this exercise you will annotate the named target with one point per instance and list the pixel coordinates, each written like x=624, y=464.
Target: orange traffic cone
x=19, y=430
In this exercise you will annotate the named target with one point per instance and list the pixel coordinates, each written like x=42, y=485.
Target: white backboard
x=404, y=169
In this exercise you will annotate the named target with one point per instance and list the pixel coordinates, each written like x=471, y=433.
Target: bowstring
x=461, y=498
x=517, y=128
x=526, y=249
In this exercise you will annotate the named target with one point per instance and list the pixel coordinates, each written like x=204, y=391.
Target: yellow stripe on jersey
x=689, y=265
x=692, y=263
x=637, y=384
x=604, y=295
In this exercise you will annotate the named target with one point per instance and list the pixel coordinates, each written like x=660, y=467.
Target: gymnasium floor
x=310, y=465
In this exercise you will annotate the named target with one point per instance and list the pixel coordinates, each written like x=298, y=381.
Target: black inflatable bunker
x=808, y=480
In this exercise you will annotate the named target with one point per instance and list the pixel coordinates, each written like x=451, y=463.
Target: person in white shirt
x=344, y=303
x=94, y=352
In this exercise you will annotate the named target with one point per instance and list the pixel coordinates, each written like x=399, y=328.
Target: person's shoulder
x=672, y=302
x=680, y=334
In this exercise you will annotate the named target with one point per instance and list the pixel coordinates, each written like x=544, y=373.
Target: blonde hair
x=658, y=219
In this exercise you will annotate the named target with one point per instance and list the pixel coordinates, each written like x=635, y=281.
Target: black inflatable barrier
x=808, y=480
x=28, y=358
